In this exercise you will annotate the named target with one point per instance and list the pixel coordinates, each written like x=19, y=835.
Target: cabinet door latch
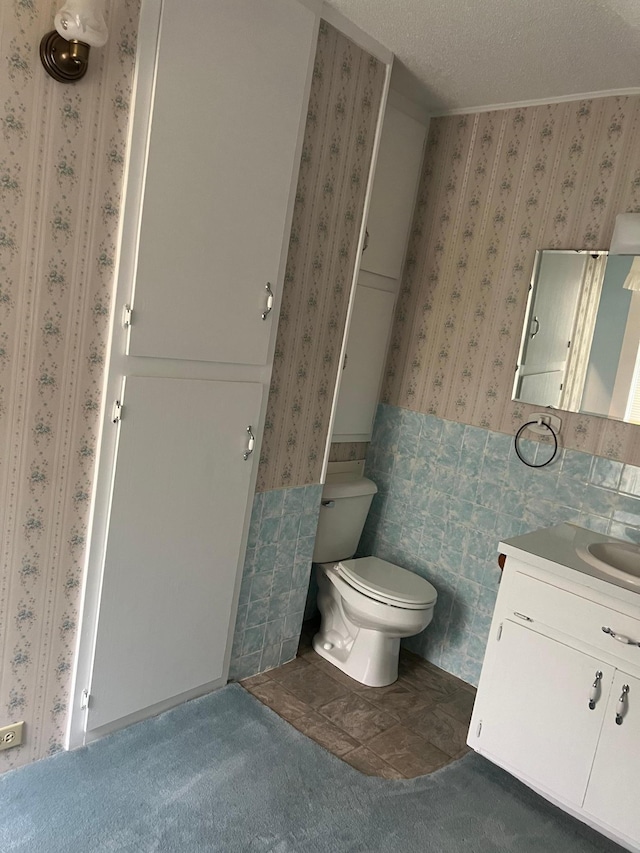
x=522, y=616
x=250, y=444
x=595, y=690
x=621, y=707
x=269, y=306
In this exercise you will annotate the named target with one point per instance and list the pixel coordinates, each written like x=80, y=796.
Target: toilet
x=366, y=605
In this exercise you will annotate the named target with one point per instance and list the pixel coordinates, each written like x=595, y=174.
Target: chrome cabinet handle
x=250, y=445
x=595, y=691
x=269, y=307
x=537, y=322
x=620, y=637
x=621, y=707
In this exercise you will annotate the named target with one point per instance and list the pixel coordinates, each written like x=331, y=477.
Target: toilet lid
x=380, y=579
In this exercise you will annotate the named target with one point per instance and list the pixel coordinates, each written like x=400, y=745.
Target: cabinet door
x=180, y=498
x=612, y=795
x=394, y=192
x=535, y=711
x=366, y=353
x=227, y=112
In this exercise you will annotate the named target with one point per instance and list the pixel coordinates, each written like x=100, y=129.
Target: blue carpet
x=224, y=773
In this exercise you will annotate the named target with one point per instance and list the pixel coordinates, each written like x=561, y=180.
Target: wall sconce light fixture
x=626, y=235
x=79, y=26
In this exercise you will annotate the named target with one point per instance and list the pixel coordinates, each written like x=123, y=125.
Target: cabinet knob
x=621, y=707
x=594, y=694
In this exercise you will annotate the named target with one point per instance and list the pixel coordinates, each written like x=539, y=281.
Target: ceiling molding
x=457, y=56
x=586, y=96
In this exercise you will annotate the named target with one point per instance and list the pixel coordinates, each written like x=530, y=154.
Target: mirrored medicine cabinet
x=581, y=334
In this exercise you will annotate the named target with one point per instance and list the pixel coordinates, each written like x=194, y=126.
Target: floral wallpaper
x=495, y=187
x=62, y=150
x=347, y=451
x=343, y=113
x=61, y=170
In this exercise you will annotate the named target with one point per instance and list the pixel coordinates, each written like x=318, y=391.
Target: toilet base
x=370, y=657
x=361, y=635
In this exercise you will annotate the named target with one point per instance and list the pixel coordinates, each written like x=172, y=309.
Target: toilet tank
x=346, y=499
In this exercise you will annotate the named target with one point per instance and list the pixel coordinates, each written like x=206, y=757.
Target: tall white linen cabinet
x=220, y=106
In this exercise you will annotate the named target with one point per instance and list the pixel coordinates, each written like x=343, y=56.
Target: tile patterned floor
x=410, y=728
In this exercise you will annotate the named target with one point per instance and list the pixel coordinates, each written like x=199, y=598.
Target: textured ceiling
x=459, y=54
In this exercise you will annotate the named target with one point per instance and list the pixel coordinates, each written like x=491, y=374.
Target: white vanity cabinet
x=537, y=717
x=614, y=787
x=558, y=703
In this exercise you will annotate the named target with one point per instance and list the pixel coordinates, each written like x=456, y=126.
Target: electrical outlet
x=11, y=736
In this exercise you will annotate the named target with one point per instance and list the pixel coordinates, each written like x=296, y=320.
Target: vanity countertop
x=562, y=550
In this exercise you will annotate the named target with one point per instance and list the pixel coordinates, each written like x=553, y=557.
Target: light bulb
x=82, y=20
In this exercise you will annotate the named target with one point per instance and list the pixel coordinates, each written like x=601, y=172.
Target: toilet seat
x=388, y=583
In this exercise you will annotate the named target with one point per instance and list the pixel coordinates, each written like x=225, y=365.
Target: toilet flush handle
x=328, y=504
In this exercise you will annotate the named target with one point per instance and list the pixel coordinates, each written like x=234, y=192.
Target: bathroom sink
x=616, y=558
x=575, y=548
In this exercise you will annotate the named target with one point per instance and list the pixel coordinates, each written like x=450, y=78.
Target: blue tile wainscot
x=275, y=579
x=448, y=493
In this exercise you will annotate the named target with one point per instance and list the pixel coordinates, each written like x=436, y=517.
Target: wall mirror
x=579, y=348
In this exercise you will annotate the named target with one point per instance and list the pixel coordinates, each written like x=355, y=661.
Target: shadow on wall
x=448, y=493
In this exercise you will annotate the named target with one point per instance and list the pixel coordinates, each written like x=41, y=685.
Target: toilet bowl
x=367, y=604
